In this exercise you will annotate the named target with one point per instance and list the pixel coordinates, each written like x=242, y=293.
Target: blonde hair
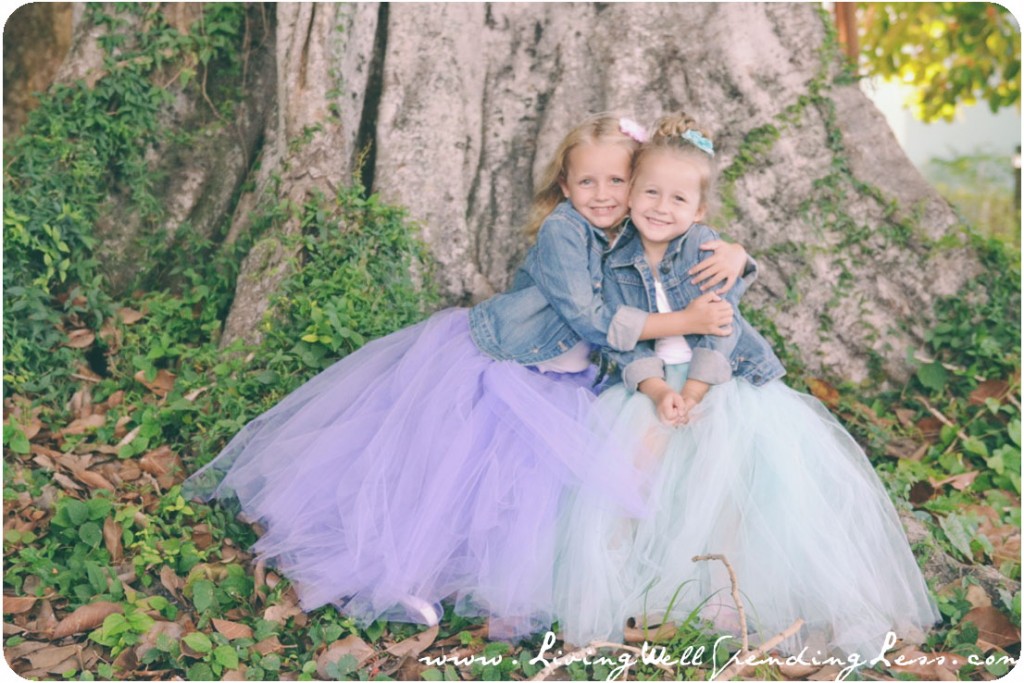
x=598, y=129
x=667, y=134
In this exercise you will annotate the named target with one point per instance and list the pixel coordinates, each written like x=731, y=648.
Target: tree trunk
x=455, y=108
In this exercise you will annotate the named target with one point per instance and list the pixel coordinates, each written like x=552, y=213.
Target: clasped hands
x=674, y=408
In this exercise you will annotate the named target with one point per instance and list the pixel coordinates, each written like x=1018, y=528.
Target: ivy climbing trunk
x=452, y=110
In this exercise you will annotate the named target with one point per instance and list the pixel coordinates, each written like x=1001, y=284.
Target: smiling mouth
x=658, y=223
x=603, y=209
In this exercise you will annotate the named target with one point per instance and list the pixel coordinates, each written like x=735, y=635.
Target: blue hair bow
x=699, y=141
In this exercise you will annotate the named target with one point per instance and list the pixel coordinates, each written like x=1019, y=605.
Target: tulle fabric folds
x=416, y=466
x=767, y=477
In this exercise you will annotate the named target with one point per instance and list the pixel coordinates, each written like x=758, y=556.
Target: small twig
x=735, y=593
x=944, y=420
x=590, y=650
x=734, y=670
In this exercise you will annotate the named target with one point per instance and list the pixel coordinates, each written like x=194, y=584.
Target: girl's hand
x=692, y=393
x=667, y=402
x=688, y=404
x=671, y=409
x=726, y=264
x=709, y=314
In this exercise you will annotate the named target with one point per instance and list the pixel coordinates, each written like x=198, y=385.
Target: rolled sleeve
x=625, y=328
x=641, y=369
x=709, y=366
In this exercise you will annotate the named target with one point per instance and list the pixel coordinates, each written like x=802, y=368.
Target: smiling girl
x=730, y=460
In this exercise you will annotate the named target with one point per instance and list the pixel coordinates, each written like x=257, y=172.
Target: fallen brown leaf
x=80, y=339
x=977, y=596
x=126, y=661
x=148, y=641
x=83, y=425
x=281, y=612
x=161, y=384
x=66, y=482
x=92, y=479
x=18, y=604
x=129, y=316
x=994, y=628
x=201, y=536
x=171, y=581
x=823, y=391
x=50, y=657
x=797, y=672
x=112, y=539
x=85, y=618
x=232, y=629
x=115, y=399
x=990, y=388
x=46, y=620
x=902, y=447
x=905, y=416
x=163, y=464
x=20, y=650
x=129, y=470
x=958, y=481
x=81, y=403
x=268, y=646
x=195, y=393
x=930, y=427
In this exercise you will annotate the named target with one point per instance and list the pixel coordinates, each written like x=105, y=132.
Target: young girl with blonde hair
x=731, y=461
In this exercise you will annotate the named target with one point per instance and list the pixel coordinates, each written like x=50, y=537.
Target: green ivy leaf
x=933, y=376
x=198, y=641
x=203, y=595
x=226, y=656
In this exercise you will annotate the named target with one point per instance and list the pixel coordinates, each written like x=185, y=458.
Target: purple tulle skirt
x=416, y=467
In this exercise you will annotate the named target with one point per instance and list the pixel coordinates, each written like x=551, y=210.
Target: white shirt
x=672, y=350
x=576, y=359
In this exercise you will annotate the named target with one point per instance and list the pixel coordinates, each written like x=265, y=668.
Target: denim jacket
x=556, y=298
x=629, y=281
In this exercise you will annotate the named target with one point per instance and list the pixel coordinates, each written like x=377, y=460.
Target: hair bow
x=695, y=138
x=633, y=129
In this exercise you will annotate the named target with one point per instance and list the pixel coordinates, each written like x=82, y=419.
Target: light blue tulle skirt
x=765, y=476
x=413, y=470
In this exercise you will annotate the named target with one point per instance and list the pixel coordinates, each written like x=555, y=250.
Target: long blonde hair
x=668, y=134
x=598, y=129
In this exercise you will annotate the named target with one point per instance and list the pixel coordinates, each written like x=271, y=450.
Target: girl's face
x=665, y=199
x=597, y=182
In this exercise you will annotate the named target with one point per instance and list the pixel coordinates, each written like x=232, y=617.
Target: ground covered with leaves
x=111, y=573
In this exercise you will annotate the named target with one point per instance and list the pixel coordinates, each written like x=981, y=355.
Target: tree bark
x=455, y=109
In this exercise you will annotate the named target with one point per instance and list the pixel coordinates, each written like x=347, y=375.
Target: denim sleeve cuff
x=625, y=328
x=709, y=366
x=641, y=369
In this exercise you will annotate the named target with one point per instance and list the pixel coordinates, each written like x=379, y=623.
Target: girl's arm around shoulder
x=562, y=271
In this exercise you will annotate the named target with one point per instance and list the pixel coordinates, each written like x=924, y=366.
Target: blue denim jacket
x=629, y=281
x=556, y=298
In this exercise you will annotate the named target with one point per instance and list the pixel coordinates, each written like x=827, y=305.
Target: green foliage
x=951, y=52
x=70, y=557
x=84, y=143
